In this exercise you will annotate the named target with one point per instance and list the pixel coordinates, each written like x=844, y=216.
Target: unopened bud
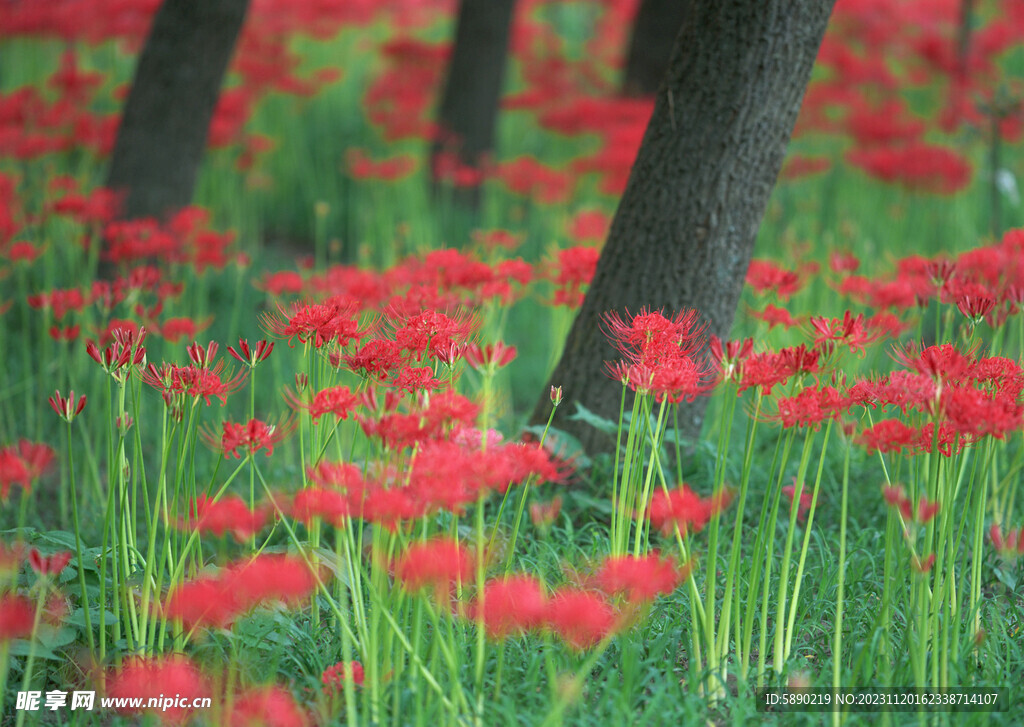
x=556, y=395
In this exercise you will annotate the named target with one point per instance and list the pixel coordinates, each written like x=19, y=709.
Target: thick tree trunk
x=684, y=230
x=655, y=29
x=468, y=111
x=167, y=115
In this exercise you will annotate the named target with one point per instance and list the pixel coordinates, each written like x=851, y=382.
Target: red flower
x=157, y=679
x=46, y=565
x=511, y=605
x=888, y=435
x=251, y=356
x=805, y=500
x=336, y=400
x=317, y=502
x=811, y=406
x=850, y=331
x=684, y=508
x=764, y=276
x=260, y=706
x=491, y=357
x=580, y=618
x=249, y=438
x=16, y=617
x=437, y=563
x=228, y=514
x=334, y=676
x=773, y=315
x=640, y=579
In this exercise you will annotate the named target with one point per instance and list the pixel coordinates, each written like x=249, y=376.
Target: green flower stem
x=26, y=680
x=735, y=549
x=837, y=639
x=794, y=601
x=640, y=507
x=787, y=555
x=78, y=546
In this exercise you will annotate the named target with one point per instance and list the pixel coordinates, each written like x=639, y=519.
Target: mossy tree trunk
x=684, y=231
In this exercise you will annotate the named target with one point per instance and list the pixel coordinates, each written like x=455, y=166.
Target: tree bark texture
x=166, y=118
x=655, y=29
x=468, y=112
x=684, y=231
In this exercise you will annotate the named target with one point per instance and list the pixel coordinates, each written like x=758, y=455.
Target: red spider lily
x=379, y=358
x=437, y=564
x=251, y=356
x=336, y=400
x=69, y=333
x=249, y=438
x=511, y=606
x=361, y=166
x=334, y=676
x=206, y=602
x=192, y=382
x=22, y=251
x=976, y=413
x=61, y=302
x=268, y=578
x=227, y=514
x=805, y=499
x=490, y=357
x=574, y=269
x=640, y=578
x=126, y=351
x=811, y=406
x=1010, y=545
x=67, y=409
x=765, y=370
x=773, y=315
x=923, y=566
x=544, y=514
x=649, y=337
x=917, y=166
x=727, y=361
x=582, y=619
x=46, y=565
x=317, y=503
x=390, y=507
x=414, y=379
x=344, y=477
x=202, y=357
x=843, y=261
x=682, y=507
x=141, y=679
x=259, y=706
x=850, y=331
x=497, y=239
x=888, y=435
x=281, y=283
x=433, y=334
x=23, y=464
x=316, y=323
x=174, y=329
x=764, y=276
x=589, y=226
x=17, y=616
x=975, y=308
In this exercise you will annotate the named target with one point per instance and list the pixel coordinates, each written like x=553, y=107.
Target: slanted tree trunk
x=468, y=111
x=167, y=116
x=684, y=230
x=655, y=29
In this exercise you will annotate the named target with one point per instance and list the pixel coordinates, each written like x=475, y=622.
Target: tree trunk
x=655, y=29
x=468, y=111
x=684, y=230
x=167, y=116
